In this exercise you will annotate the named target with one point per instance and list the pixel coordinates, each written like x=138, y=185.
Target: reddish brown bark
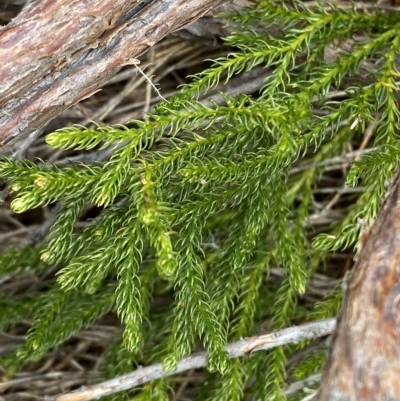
x=364, y=361
x=58, y=52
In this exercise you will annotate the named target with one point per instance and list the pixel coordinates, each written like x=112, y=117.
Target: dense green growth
x=200, y=202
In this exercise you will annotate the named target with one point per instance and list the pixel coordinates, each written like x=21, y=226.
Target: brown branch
x=240, y=348
x=58, y=52
x=364, y=361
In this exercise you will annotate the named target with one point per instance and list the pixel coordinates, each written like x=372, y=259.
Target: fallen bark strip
x=364, y=361
x=59, y=52
x=240, y=348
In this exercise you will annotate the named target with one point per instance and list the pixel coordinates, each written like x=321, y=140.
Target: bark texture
x=58, y=52
x=364, y=361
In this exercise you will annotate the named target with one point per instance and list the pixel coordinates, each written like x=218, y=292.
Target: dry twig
x=195, y=361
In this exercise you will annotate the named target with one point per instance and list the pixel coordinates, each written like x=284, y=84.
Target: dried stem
x=195, y=361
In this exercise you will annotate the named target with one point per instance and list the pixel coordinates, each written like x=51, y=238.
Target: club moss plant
x=199, y=202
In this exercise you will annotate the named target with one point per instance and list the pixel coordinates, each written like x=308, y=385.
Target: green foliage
x=201, y=202
x=312, y=364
